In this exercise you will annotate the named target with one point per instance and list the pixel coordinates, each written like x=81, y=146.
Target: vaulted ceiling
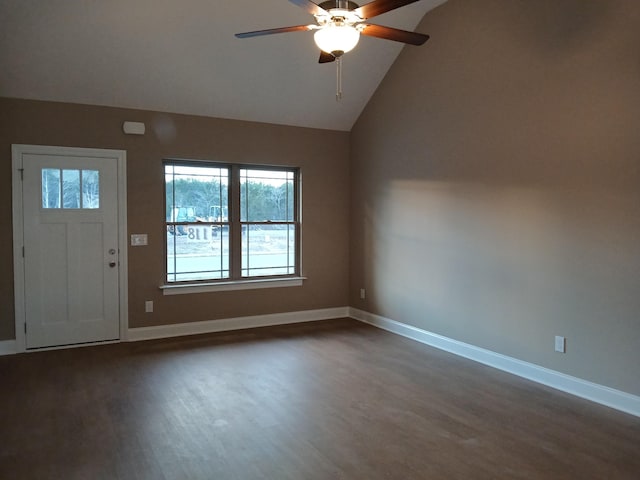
x=182, y=57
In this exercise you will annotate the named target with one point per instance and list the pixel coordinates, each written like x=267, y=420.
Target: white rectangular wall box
x=133, y=128
x=139, y=239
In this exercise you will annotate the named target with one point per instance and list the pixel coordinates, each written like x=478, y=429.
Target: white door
x=70, y=222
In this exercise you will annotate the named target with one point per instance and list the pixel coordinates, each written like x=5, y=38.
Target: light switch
x=139, y=239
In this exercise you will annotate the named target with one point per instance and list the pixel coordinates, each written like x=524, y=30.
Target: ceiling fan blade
x=388, y=33
x=378, y=7
x=270, y=31
x=326, y=57
x=310, y=7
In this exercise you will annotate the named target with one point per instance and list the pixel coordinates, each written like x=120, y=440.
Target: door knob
x=112, y=264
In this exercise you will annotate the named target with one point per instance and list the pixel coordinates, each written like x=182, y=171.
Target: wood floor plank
x=325, y=400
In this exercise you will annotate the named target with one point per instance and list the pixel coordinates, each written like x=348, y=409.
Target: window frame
x=235, y=224
x=246, y=224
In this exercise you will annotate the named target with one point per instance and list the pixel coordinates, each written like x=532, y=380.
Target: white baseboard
x=8, y=347
x=239, y=323
x=601, y=394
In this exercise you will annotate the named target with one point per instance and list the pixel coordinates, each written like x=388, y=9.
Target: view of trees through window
x=70, y=188
x=201, y=221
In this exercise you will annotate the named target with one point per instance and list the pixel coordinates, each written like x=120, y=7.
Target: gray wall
x=322, y=156
x=495, y=184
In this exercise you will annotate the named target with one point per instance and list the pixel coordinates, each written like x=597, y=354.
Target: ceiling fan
x=339, y=24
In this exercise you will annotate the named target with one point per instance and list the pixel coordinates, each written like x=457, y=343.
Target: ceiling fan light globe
x=337, y=38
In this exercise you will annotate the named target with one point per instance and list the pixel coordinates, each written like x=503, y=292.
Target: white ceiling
x=182, y=57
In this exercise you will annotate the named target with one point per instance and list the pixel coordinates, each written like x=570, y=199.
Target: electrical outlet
x=363, y=294
x=148, y=306
x=561, y=343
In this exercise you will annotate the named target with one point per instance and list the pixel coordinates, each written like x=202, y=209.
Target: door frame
x=17, y=153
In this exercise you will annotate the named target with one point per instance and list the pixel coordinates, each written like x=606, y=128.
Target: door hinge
x=23, y=251
x=25, y=328
x=21, y=173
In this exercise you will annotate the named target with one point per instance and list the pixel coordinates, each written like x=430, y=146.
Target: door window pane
x=71, y=188
x=90, y=189
x=50, y=188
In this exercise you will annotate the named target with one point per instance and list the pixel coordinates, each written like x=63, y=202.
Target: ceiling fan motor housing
x=344, y=4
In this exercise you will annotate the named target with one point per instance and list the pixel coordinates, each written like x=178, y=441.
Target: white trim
x=8, y=347
x=601, y=394
x=17, y=152
x=238, y=323
x=123, y=244
x=252, y=284
x=18, y=242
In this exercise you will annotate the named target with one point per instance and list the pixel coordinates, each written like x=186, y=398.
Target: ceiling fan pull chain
x=338, y=79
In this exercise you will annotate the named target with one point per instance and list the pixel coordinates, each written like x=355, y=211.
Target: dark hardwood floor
x=325, y=400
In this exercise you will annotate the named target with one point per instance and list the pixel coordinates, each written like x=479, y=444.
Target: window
x=63, y=188
x=231, y=222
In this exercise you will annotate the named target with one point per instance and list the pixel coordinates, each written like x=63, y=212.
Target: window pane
x=71, y=188
x=197, y=252
x=196, y=193
x=268, y=250
x=289, y=197
x=50, y=188
x=266, y=195
x=90, y=189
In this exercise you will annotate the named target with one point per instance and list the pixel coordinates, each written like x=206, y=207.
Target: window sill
x=187, y=288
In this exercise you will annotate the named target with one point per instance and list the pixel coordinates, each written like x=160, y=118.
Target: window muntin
x=206, y=240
